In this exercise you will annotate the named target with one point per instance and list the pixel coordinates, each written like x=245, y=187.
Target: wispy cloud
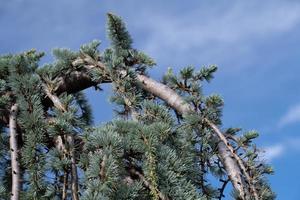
x=290, y=117
x=218, y=31
x=273, y=152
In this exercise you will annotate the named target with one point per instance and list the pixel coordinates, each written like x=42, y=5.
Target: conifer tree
x=165, y=143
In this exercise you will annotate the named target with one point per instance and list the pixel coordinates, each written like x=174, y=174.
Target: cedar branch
x=70, y=140
x=147, y=184
x=231, y=165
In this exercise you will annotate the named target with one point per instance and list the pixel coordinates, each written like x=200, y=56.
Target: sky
x=254, y=43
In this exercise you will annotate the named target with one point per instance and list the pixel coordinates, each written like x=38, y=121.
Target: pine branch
x=177, y=103
x=15, y=166
x=70, y=140
x=147, y=184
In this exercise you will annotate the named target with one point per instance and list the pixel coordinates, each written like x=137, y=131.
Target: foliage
x=148, y=152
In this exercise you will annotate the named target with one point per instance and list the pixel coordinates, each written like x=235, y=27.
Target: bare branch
x=222, y=189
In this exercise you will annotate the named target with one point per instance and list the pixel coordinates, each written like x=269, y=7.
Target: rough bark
x=65, y=185
x=74, y=175
x=15, y=167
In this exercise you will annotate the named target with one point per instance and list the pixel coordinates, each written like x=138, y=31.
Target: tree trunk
x=15, y=167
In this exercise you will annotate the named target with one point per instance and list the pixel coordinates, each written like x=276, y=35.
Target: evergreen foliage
x=150, y=151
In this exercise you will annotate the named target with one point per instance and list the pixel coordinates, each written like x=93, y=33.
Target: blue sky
x=254, y=43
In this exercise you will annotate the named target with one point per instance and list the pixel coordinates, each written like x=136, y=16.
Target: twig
x=147, y=184
x=222, y=189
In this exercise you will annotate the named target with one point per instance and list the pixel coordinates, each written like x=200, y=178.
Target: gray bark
x=13, y=142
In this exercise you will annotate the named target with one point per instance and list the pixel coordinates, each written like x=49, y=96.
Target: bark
x=102, y=168
x=15, y=167
x=55, y=100
x=236, y=157
x=65, y=185
x=74, y=175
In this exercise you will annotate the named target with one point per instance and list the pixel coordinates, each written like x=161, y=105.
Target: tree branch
x=231, y=163
x=70, y=141
x=222, y=189
x=74, y=177
x=65, y=185
x=147, y=184
x=236, y=157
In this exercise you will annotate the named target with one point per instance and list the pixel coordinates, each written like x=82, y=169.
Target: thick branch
x=75, y=82
x=65, y=185
x=15, y=167
x=237, y=158
x=176, y=102
x=55, y=100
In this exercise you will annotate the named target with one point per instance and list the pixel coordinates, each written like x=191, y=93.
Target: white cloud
x=217, y=30
x=291, y=116
x=273, y=152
